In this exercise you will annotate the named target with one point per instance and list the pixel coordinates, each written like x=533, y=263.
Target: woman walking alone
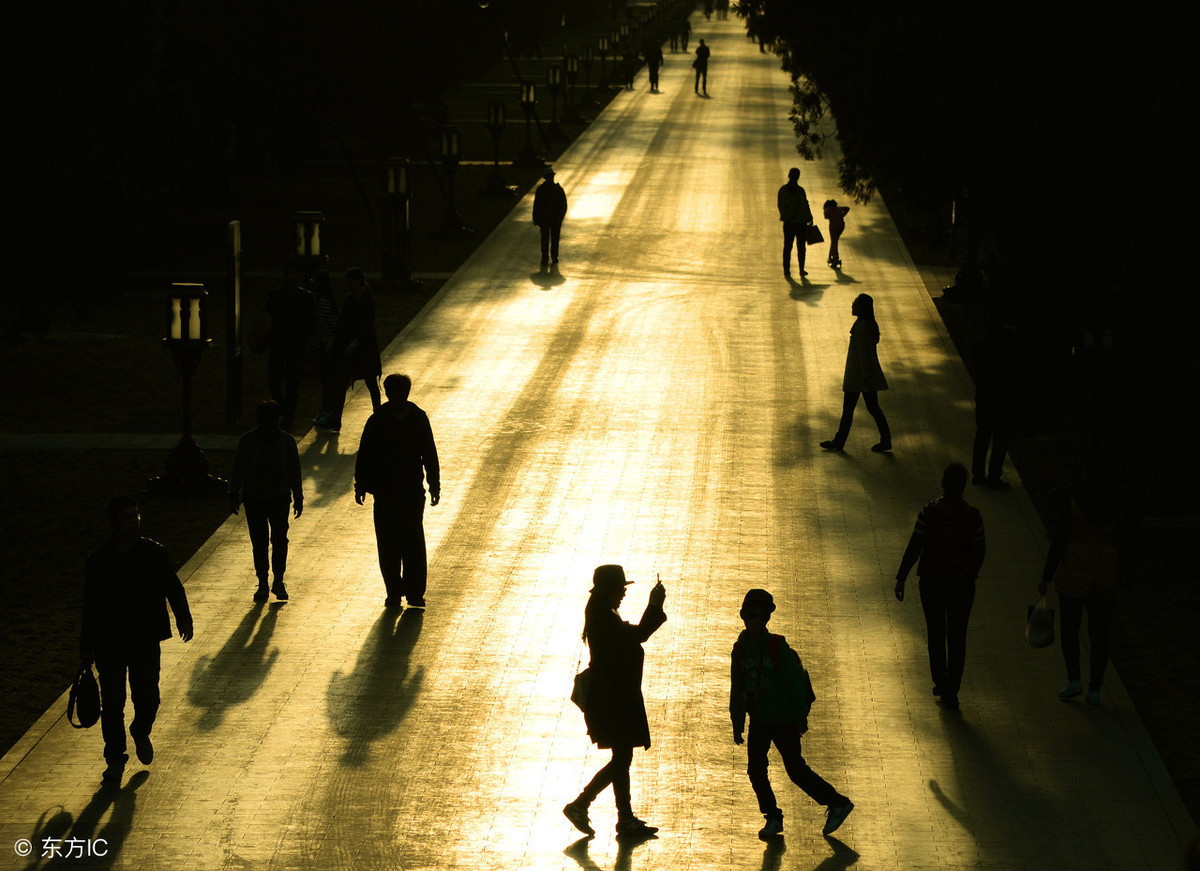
x=863, y=377
x=614, y=710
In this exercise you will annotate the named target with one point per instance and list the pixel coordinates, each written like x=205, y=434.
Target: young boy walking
x=769, y=683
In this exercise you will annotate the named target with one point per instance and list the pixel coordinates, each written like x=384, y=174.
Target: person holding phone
x=614, y=709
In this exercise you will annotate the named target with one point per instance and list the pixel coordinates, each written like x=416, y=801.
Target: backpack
x=803, y=695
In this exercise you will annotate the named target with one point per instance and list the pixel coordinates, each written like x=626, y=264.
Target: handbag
x=84, y=701
x=812, y=235
x=1039, y=625
x=579, y=692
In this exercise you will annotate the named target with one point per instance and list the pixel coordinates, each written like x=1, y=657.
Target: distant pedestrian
x=1085, y=566
x=769, y=683
x=614, y=709
x=290, y=307
x=708, y=10
x=701, y=65
x=722, y=10
x=396, y=458
x=685, y=32
x=836, y=216
x=948, y=540
x=628, y=66
x=325, y=318
x=654, y=58
x=266, y=479
x=128, y=584
x=796, y=216
x=549, y=211
x=355, y=349
x=863, y=376
x=995, y=401
x=675, y=28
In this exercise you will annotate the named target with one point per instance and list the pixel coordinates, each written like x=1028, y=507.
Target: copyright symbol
x=23, y=847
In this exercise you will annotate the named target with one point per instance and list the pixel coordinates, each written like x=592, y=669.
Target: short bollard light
x=452, y=223
x=528, y=157
x=397, y=226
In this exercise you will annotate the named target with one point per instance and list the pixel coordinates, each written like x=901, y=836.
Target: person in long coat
x=863, y=376
x=355, y=349
x=614, y=710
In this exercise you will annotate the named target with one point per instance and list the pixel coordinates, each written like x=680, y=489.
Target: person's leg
x=849, y=401
x=696, y=87
x=278, y=519
x=111, y=668
x=545, y=242
x=291, y=389
x=372, y=382
x=144, y=666
x=704, y=80
x=258, y=527
x=789, y=237
x=871, y=400
x=933, y=603
x=411, y=541
x=834, y=235
x=1070, y=615
x=1100, y=612
x=555, y=233
x=960, y=596
x=388, y=537
x=758, y=742
x=801, y=247
x=787, y=740
x=1001, y=434
x=621, y=761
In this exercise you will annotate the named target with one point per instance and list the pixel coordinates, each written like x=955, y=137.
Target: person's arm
x=176, y=597
x=295, y=479
x=237, y=476
x=433, y=470
x=653, y=616
x=737, y=695
x=363, y=465
x=916, y=543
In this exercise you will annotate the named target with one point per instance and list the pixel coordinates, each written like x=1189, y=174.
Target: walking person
x=796, y=216
x=325, y=318
x=836, y=216
x=654, y=58
x=685, y=32
x=863, y=377
x=266, y=480
x=1085, y=566
x=549, y=211
x=769, y=683
x=290, y=308
x=701, y=65
x=948, y=542
x=995, y=404
x=355, y=349
x=396, y=458
x=614, y=709
x=128, y=584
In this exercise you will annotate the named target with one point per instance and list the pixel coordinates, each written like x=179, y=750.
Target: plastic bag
x=1039, y=624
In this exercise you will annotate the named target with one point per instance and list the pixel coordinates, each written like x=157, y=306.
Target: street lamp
x=602, y=45
x=497, y=185
x=587, y=59
x=527, y=157
x=572, y=111
x=397, y=225
x=452, y=224
x=187, y=467
x=554, y=80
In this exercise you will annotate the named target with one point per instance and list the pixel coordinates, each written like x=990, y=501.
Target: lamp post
x=497, y=185
x=397, y=225
x=587, y=59
x=602, y=45
x=452, y=224
x=571, y=112
x=308, y=254
x=187, y=467
x=554, y=80
x=528, y=158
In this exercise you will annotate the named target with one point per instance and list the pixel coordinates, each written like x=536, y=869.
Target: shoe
x=773, y=827
x=803, y=272
x=831, y=445
x=145, y=750
x=280, y=591
x=836, y=816
x=1071, y=690
x=389, y=602
x=262, y=593
x=115, y=771
x=416, y=602
x=578, y=816
x=787, y=273
x=634, y=828
x=950, y=700
x=937, y=691
x=882, y=447
x=1093, y=697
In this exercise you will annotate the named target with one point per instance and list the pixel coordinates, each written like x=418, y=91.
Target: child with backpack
x=770, y=684
x=836, y=215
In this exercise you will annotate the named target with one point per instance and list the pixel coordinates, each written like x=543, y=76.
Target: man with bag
x=796, y=217
x=127, y=585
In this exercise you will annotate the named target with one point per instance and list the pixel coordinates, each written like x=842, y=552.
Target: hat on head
x=549, y=173
x=757, y=599
x=609, y=577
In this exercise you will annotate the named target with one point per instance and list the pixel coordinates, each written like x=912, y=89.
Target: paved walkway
x=658, y=403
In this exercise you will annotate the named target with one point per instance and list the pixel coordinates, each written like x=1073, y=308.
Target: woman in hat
x=615, y=712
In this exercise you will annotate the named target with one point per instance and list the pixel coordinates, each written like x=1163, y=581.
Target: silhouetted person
x=127, y=585
x=675, y=29
x=1085, y=567
x=701, y=65
x=290, y=307
x=769, y=683
x=949, y=543
x=266, y=479
x=396, y=457
x=654, y=58
x=995, y=406
x=796, y=217
x=614, y=710
x=549, y=211
x=722, y=10
x=863, y=376
x=325, y=318
x=836, y=216
x=628, y=66
x=355, y=348
x=685, y=32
